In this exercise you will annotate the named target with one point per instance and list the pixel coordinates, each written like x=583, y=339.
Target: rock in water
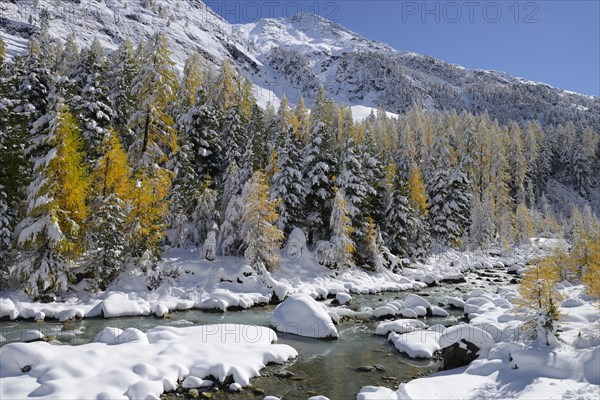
x=457, y=355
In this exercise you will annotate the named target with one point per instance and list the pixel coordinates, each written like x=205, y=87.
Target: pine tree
x=482, y=226
x=50, y=235
x=341, y=238
x=229, y=240
x=261, y=237
x=319, y=169
x=352, y=181
x=517, y=165
x=123, y=68
x=449, y=197
x=92, y=106
x=200, y=125
x=14, y=168
x=234, y=137
x=288, y=186
x=374, y=204
x=399, y=219
x=206, y=215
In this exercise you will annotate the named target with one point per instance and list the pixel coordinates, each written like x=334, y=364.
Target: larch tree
x=156, y=139
x=107, y=240
x=261, y=237
x=541, y=300
x=50, y=237
x=155, y=89
x=343, y=246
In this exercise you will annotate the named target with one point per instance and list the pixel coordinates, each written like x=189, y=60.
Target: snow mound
x=118, y=336
x=138, y=370
x=414, y=300
x=417, y=344
x=456, y=302
x=399, y=326
x=8, y=309
x=343, y=298
x=119, y=305
x=301, y=315
x=469, y=333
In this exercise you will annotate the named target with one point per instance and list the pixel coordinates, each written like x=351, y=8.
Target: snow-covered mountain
x=292, y=56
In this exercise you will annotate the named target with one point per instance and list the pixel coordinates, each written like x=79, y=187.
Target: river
x=325, y=367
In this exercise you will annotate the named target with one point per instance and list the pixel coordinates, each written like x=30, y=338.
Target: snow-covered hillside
x=293, y=56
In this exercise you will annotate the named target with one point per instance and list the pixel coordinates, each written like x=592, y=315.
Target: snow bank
x=139, y=369
x=301, y=315
x=509, y=365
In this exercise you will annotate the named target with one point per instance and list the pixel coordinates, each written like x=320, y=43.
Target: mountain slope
x=293, y=56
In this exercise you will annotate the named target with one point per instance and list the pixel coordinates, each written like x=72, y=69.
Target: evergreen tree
x=229, y=240
x=92, y=106
x=261, y=238
x=14, y=168
x=352, y=181
x=288, y=186
x=319, y=169
x=449, y=197
x=517, y=165
x=200, y=125
x=123, y=68
x=50, y=235
x=399, y=219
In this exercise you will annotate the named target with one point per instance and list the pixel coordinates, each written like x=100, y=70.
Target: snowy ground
x=131, y=364
x=509, y=365
x=227, y=283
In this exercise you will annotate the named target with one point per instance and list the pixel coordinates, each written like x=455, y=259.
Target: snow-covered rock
x=139, y=370
x=8, y=309
x=343, y=298
x=417, y=344
x=414, y=300
x=119, y=305
x=455, y=302
x=399, y=326
x=301, y=315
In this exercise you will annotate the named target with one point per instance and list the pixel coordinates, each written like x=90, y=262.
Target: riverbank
x=228, y=284
x=515, y=365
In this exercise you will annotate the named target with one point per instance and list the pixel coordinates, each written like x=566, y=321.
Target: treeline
x=106, y=160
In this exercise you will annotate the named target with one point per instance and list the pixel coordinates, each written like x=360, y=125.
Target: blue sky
x=552, y=41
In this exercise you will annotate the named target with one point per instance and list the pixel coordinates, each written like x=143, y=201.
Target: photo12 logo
x=238, y=12
x=453, y=12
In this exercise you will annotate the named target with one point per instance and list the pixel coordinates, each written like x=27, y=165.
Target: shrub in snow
x=301, y=315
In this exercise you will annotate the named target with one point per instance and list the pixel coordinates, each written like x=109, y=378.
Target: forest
x=109, y=159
